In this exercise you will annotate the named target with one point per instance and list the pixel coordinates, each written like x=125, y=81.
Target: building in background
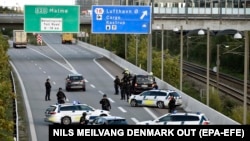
x=86, y=5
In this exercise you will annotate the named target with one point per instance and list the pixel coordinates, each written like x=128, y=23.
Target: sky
x=21, y=3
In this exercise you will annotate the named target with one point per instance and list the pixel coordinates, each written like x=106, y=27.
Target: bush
x=237, y=114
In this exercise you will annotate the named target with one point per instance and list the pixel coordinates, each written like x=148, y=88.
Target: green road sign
x=51, y=18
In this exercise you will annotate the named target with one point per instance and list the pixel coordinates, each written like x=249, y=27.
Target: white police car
x=70, y=113
x=182, y=118
x=156, y=98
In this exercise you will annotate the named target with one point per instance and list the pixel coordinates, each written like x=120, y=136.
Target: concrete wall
x=190, y=104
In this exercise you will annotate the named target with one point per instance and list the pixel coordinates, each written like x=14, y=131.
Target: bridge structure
x=190, y=18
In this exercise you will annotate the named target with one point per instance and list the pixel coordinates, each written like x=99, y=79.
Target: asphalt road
x=36, y=63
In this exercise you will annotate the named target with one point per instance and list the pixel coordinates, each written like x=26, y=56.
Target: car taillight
x=205, y=123
x=52, y=112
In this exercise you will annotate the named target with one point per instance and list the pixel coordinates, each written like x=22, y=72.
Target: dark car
x=142, y=83
x=75, y=81
x=109, y=120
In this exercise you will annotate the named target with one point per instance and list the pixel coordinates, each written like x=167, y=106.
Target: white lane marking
x=111, y=100
x=104, y=69
x=71, y=67
x=151, y=113
x=122, y=109
x=101, y=92
x=134, y=120
x=91, y=85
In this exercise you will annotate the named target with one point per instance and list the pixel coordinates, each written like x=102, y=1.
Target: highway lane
x=36, y=63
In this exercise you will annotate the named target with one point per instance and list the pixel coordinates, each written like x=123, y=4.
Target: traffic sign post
x=51, y=18
x=116, y=19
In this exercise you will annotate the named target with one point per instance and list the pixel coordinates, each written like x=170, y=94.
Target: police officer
x=122, y=89
x=105, y=103
x=83, y=120
x=61, y=97
x=117, y=84
x=171, y=104
x=48, y=89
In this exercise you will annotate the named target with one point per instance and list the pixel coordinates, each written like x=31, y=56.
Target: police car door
x=149, y=99
x=76, y=114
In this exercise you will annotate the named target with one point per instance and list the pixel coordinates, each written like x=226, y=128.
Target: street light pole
x=136, y=53
x=181, y=58
x=208, y=63
x=162, y=50
x=181, y=52
x=246, y=64
x=149, y=52
x=217, y=67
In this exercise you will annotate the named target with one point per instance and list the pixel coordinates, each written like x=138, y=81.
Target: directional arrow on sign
x=144, y=13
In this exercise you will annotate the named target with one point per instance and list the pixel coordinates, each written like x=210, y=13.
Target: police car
x=182, y=118
x=156, y=98
x=70, y=113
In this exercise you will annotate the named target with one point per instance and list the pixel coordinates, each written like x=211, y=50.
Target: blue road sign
x=118, y=19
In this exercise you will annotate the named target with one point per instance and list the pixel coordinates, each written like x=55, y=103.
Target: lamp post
x=218, y=66
x=162, y=48
x=201, y=32
x=149, y=52
x=181, y=53
x=208, y=63
x=246, y=64
x=181, y=58
x=136, y=50
x=162, y=51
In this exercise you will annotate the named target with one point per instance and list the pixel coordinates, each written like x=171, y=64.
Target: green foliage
x=6, y=95
x=142, y=51
x=4, y=43
x=237, y=114
x=228, y=104
x=215, y=101
x=189, y=88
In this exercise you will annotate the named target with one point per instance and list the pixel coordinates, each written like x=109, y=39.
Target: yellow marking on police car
x=148, y=102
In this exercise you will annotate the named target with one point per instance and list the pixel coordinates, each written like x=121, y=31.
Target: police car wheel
x=160, y=104
x=66, y=121
x=133, y=103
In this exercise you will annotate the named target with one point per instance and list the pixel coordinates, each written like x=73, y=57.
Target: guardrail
x=189, y=103
x=15, y=110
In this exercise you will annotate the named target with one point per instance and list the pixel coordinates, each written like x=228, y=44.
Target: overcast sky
x=21, y=3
